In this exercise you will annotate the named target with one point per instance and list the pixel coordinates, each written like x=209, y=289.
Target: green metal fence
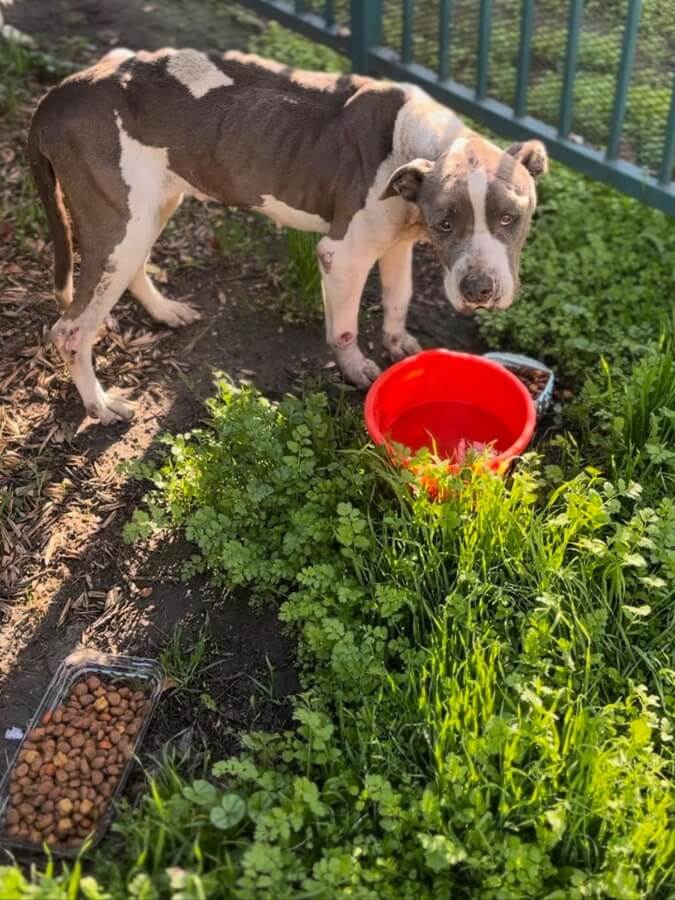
x=594, y=79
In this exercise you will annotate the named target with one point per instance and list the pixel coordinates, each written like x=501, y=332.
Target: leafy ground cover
x=488, y=684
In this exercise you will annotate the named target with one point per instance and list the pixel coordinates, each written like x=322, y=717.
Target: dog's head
x=475, y=204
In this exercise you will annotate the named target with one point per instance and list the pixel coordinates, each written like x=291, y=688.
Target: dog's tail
x=57, y=217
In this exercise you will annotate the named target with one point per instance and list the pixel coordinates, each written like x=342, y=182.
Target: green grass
x=302, y=281
x=20, y=68
x=294, y=50
x=246, y=235
x=27, y=212
x=18, y=65
x=181, y=663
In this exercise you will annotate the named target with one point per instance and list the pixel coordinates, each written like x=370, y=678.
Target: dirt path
x=138, y=24
x=66, y=579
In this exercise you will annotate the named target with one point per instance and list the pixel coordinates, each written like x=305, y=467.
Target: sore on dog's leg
x=325, y=259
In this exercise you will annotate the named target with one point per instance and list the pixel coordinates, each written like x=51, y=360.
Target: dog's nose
x=477, y=288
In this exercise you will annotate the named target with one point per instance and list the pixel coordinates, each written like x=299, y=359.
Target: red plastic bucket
x=452, y=403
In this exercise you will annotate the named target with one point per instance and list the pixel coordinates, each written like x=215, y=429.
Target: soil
x=66, y=577
x=203, y=24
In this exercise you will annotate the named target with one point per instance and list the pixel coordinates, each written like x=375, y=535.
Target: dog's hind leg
x=99, y=286
x=118, y=192
x=57, y=220
x=171, y=312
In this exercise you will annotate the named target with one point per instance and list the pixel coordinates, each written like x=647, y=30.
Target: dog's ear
x=406, y=181
x=533, y=155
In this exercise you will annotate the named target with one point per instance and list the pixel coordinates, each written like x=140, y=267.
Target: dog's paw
x=176, y=314
x=398, y=346
x=361, y=372
x=109, y=410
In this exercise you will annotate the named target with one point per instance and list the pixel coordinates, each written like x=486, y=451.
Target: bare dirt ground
x=66, y=578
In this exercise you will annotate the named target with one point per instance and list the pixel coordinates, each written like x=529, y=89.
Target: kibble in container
x=536, y=376
x=77, y=752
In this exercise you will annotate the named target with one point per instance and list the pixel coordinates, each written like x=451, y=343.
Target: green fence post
x=407, y=38
x=668, y=158
x=444, y=39
x=484, y=26
x=526, y=23
x=329, y=13
x=623, y=77
x=366, y=31
x=567, y=98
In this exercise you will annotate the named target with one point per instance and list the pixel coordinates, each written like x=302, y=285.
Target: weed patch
x=303, y=281
x=294, y=50
x=488, y=691
x=18, y=64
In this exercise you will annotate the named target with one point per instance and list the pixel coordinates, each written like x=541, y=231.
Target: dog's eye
x=446, y=225
x=506, y=219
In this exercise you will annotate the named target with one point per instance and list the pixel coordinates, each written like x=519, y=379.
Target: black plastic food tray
x=140, y=674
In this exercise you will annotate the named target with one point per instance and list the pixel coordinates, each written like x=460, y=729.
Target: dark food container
x=134, y=672
x=516, y=363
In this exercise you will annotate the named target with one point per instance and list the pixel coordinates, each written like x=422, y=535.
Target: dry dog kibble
x=12, y=817
x=535, y=380
x=69, y=766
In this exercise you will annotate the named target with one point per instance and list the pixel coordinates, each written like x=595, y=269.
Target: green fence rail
x=593, y=79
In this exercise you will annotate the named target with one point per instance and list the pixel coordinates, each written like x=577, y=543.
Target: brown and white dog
x=372, y=166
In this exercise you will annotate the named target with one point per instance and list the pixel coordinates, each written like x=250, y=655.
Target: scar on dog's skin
x=371, y=166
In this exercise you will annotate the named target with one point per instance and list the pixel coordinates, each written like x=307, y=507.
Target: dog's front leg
x=397, y=287
x=344, y=269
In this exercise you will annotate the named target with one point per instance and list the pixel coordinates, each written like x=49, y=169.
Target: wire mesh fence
x=598, y=62
x=333, y=12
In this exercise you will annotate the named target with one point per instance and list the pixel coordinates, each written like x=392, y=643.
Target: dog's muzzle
x=478, y=289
